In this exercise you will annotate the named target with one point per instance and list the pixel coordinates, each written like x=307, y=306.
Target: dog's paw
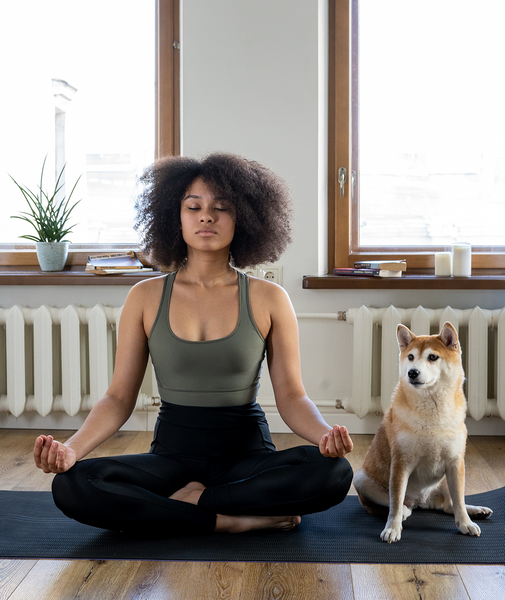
x=391, y=534
x=479, y=511
x=406, y=512
x=469, y=528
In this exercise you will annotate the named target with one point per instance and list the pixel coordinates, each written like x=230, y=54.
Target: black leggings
x=229, y=450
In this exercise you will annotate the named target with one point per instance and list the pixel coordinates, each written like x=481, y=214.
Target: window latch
x=342, y=179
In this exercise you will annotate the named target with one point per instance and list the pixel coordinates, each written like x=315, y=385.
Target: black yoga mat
x=32, y=527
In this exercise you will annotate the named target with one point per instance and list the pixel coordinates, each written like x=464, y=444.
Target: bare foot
x=240, y=524
x=189, y=493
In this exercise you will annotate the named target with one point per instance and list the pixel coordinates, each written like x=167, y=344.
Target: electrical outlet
x=271, y=273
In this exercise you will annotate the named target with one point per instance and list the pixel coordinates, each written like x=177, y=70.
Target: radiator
x=60, y=359
x=376, y=354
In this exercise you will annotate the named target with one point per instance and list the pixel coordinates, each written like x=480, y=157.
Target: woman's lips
x=205, y=232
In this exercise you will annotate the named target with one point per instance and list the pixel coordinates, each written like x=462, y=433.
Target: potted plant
x=49, y=217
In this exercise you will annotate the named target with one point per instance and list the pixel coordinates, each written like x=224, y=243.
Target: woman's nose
x=206, y=216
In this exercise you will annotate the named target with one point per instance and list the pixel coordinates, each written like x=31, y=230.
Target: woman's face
x=207, y=221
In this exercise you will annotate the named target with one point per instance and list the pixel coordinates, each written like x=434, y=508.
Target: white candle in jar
x=461, y=259
x=443, y=264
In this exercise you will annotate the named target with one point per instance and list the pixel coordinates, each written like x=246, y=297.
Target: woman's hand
x=52, y=456
x=336, y=443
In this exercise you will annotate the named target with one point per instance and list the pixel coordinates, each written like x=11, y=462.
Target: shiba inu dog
x=416, y=459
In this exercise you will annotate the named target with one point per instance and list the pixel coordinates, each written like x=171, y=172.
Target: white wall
x=250, y=85
x=254, y=78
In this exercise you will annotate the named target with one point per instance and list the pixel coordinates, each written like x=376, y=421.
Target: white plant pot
x=52, y=255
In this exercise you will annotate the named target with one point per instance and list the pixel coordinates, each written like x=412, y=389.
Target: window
x=415, y=118
x=94, y=85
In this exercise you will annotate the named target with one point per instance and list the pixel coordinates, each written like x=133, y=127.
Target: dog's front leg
x=456, y=482
x=398, y=481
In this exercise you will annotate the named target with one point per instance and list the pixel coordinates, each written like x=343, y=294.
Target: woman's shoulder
x=142, y=303
x=146, y=290
x=268, y=292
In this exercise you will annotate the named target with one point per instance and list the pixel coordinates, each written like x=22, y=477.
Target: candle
x=443, y=264
x=461, y=259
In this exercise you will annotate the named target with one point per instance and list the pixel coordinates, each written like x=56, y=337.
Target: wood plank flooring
x=129, y=580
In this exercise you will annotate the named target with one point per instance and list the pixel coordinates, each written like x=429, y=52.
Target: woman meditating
x=212, y=465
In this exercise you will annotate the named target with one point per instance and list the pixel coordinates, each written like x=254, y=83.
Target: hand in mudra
x=52, y=456
x=336, y=443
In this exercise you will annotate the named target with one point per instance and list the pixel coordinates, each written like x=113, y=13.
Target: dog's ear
x=404, y=336
x=449, y=336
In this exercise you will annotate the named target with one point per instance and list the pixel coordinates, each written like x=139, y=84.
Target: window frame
x=343, y=100
x=167, y=130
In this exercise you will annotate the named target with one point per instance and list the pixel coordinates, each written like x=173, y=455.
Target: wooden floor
x=128, y=580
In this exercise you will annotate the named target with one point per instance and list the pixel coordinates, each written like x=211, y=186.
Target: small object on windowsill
x=461, y=259
x=350, y=272
x=443, y=264
x=115, y=263
x=117, y=271
x=114, y=260
x=386, y=265
x=48, y=214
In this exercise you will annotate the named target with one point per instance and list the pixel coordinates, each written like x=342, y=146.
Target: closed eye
x=432, y=357
x=220, y=208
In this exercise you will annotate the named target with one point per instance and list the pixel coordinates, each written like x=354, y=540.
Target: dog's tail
x=373, y=508
x=367, y=487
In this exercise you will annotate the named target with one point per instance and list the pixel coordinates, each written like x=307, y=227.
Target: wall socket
x=268, y=272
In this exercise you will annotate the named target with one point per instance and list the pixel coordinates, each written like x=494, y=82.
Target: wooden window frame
x=167, y=130
x=343, y=98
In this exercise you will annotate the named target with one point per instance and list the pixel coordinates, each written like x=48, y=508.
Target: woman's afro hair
x=260, y=199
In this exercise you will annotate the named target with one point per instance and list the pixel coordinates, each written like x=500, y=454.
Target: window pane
x=81, y=81
x=432, y=124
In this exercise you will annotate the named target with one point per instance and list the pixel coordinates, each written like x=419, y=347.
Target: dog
x=416, y=459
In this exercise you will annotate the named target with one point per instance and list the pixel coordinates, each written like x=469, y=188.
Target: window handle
x=342, y=179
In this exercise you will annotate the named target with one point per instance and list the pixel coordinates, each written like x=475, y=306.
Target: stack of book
x=115, y=264
x=374, y=268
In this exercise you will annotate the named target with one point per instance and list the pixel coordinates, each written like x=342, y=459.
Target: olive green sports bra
x=222, y=372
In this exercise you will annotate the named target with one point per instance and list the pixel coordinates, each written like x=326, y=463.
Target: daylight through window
x=81, y=91
x=431, y=163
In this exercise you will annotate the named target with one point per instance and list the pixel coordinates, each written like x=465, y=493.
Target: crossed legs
x=149, y=493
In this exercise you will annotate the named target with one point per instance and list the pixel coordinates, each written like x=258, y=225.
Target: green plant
x=48, y=216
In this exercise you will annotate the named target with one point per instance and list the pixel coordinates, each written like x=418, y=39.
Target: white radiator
x=60, y=359
x=376, y=355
